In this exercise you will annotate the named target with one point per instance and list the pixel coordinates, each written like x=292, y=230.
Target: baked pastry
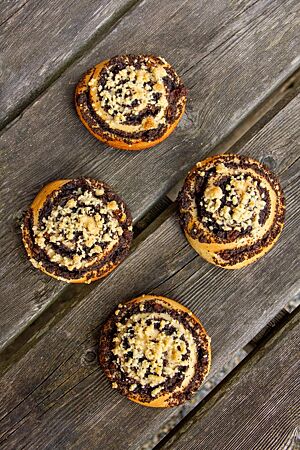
x=77, y=230
x=231, y=210
x=155, y=351
x=131, y=102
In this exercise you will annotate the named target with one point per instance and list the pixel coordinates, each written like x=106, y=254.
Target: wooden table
x=240, y=61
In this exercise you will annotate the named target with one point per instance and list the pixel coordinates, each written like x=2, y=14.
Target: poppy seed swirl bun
x=131, y=102
x=77, y=230
x=155, y=351
x=231, y=210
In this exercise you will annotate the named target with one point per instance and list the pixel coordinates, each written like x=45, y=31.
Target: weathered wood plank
x=49, y=142
x=40, y=39
x=257, y=408
x=10, y=7
x=56, y=395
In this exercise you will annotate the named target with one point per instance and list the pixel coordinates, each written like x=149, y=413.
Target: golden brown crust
x=31, y=219
x=232, y=210
x=83, y=91
x=165, y=399
x=120, y=145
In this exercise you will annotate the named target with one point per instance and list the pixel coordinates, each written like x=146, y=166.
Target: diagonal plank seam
x=103, y=31
x=270, y=339
x=83, y=291
x=14, y=13
x=33, y=304
x=83, y=378
x=257, y=119
x=92, y=330
x=224, y=374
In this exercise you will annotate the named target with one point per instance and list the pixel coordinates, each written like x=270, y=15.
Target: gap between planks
x=87, y=318
x=255, y=121
x=288, y=322
x=211, y=386
x=13, y=116
x=72, y=295
x=41, y=138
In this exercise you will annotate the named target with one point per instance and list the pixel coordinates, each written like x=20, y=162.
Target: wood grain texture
x=57, y=397
x=39, y=39
x=255, y=44
x=257, y=408
x=9, y=8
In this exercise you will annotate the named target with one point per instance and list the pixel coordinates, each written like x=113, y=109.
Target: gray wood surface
x=258, y=408
x=231, y=56
x=39, y=39
x=57, y=397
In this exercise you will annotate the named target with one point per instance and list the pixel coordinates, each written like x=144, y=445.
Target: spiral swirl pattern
x=77, y=230
x=130, y=99
x=154, y=352
x=232, y=210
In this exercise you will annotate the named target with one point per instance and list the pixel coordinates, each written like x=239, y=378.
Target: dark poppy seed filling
x=233, y=203
x=232, y=199
x=151, y=349
x=133, y=97
x=80, y=227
